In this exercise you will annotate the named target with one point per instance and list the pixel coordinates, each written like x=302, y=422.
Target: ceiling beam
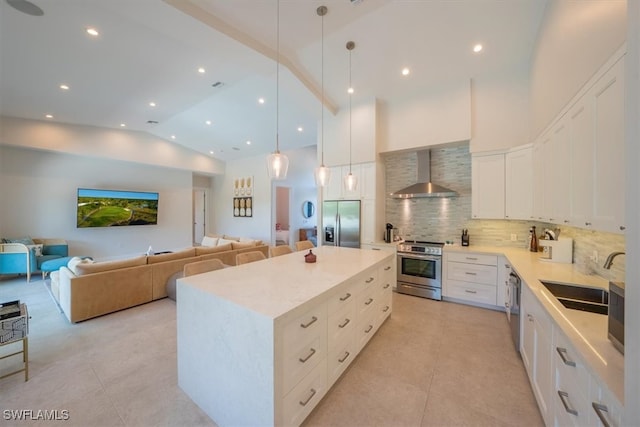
x=218, y=24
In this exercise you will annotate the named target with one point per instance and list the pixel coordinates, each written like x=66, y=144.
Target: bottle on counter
x=533, y=244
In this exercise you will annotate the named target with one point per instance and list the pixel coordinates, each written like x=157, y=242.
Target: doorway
x=282, y=225
x=199, y=214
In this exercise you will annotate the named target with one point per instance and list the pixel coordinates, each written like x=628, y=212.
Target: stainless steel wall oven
x=420, y=269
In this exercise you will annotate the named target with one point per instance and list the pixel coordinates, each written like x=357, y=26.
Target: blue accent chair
x=18, y=258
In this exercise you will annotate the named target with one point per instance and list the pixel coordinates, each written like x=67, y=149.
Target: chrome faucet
x=609, y=261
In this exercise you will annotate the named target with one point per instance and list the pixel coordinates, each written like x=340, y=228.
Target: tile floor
x=431, y=364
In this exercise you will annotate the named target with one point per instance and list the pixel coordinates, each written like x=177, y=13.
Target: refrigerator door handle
x=338, y=230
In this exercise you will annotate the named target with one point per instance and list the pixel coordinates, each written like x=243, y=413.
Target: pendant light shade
x=323, y=173
x=277, y=163
x=350, y=181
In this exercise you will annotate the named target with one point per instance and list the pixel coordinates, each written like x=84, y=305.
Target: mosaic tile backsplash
x=442, y=219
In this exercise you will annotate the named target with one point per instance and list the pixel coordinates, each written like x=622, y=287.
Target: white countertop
x=278, y=285
x=586, y=331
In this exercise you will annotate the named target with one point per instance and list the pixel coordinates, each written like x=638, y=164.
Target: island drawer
x=341, y=324
x=366, y=302
x=367, y=279
x=301, y=359
x=311, y=323
x=366, y=328
x=300, y=401
x=339, y=358
x=344, y=295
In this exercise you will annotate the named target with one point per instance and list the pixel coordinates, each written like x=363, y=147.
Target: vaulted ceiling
x=149, y=51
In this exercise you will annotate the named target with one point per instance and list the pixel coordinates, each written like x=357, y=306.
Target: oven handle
x=421, y=257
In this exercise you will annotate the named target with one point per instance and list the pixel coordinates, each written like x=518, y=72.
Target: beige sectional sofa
x=95, y=289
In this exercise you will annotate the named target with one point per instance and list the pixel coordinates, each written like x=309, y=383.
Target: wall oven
x=420, y=269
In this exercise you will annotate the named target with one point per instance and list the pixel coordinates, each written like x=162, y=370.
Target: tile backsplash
x=442, y=219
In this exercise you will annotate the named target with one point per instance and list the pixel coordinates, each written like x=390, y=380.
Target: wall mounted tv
x=110, y=208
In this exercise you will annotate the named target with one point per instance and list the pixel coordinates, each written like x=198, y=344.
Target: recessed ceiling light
x=122, y=125
x=211, y=152
x=477, y=48
x=64, y=87
x=152, y=104
x=248, y=142
x=260, y=100
x=300, y=128
x=92, y=32
x=173, y=137
x=208, y=122
x=201, y=70
x=48, y=116
x=406, y=71
x=350, y=90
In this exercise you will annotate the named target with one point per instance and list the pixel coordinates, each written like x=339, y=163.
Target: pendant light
x=323, y=173
x=277, y=163
x=350, y=181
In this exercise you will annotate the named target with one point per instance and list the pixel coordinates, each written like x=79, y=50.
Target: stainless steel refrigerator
x=341, y=223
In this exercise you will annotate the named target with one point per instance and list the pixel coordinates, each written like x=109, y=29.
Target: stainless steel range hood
x=424, y=187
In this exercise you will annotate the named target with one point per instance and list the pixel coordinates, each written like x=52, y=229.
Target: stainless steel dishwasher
x=512, y=307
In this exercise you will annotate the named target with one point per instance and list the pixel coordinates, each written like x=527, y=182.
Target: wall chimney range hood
x=424, y=187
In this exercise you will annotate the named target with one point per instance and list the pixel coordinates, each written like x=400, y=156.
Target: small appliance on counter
x=560, y=250
x=388, y=235
x=465, y=237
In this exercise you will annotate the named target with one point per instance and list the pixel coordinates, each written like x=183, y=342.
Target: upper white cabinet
x=609, y=170
x=487, y=186
x=519, y=183
x=579, y=178
x=336, y=190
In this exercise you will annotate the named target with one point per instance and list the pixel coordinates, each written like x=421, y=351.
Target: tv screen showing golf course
x=112, y=208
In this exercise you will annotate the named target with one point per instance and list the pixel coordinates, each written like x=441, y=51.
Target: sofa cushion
x=243, y=245
x=186, y=253
x=97, y=267
x=209, y=241
x=205, y=250
x=227, y=237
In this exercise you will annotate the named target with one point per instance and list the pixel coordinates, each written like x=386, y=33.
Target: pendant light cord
x=350, y=95
x=322, y=96
x=277, y=76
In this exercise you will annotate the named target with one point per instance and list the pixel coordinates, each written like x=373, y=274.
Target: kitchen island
x=261, y=343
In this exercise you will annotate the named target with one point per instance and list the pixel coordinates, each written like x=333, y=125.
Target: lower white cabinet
x=536, y=351
x=470, y=277
x=567, y=392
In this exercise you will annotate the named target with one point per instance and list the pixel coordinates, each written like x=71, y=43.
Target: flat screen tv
x=111, y=208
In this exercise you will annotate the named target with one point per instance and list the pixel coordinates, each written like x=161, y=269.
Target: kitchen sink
x=578, y=297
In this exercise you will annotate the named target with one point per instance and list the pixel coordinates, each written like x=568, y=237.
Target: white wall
x=576, y=38
x=262, y=225
x=38, y=191
x=632, y=291
x=113, y=144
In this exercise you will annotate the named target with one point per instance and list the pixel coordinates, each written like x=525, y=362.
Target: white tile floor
x=432, y=364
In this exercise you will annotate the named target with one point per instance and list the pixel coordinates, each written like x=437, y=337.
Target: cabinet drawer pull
x=564, y=356
x=588, y=224
x=386, y=286
x=346, y=297
x=343, y=358
x=366, y=331
x=471, y=258
x=369, y=301
x=530, y=318
x=470, y=273
x=566, y=221
x=622, y=228
x=385, y=309
x=600, y=410
x=387, y=268
x=311, y=322
x=345, y=323
x=311, y=394
x=369, y=280
x=564, y=397
x=470, y=291
x=312, y=351
x=376, y=249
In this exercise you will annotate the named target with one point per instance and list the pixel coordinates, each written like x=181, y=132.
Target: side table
x=16, y=329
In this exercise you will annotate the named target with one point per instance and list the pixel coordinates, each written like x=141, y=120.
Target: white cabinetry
x=519, y=183
x=470, y=278
x=336, y=190
x=488, y=185
x=536, y=351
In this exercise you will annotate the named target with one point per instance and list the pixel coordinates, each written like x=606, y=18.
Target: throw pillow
x=75, y=261
x=209, y=241
x=225, y=242
x=24, y=240
x=37, y=249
